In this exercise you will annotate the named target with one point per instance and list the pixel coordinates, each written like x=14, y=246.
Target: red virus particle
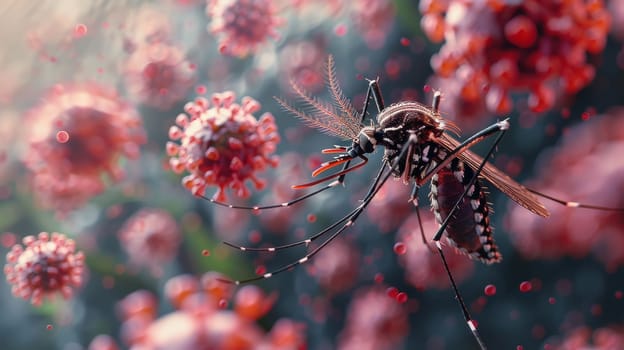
x=569, y=231
x=101, y=129
x=64, y=193
x=337, y=266
x=423, y=266
x=374, y=19
x=222, y=144
x=302, y=62
x=242, y=25
x=374, y=321
x=158, y=75
x=530, y=46
x=150, y=237
x=201, y=320
x=150, y=24
x=46, y=265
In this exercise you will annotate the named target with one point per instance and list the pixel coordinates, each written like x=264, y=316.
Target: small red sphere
x=526, y=286
x=401, y=297
x=400, y=248
x=62, y=136
x=490, y=290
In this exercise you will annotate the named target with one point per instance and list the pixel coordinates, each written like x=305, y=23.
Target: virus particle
x=242, y=25
x=198, y=322
x=45, y=265
x=607, y=338
x=423, y=266
x=528, y=46
x=101, y=128
x=374, y=19
x=64, y=193
x=103, y=342
x=158, y=75
x=302, y=61
x=390, y=207
x=576, y=232
x=150, y=238
x=336, y=267
x=222, y=144
x=150, y=24
x=374, y=321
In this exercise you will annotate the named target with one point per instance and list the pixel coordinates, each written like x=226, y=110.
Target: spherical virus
x=374, y=19
x=423, y=266
x=608, y=338
x=374, y=321
x=101, y=128
x=582, y=168
x=302, y=61
x=336, y=267
x=390, y=207
x=200, y=323
x=64, y=193
x=45, y=265
x=539, y=47
x=150, y=238
x=222, y=144
x=242, y=25
x=158, y=75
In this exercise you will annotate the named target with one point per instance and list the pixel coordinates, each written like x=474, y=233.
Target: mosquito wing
x=492, y=174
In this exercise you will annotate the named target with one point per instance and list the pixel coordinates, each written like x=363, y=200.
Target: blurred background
x=102, y=142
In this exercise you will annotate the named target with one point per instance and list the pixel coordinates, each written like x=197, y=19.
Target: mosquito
x=418, y=148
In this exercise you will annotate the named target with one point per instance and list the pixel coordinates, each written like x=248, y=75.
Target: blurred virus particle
x=103, y=342
x=390, y=206
x=158, y=75
x=222, y=144
x=498, y=47
x=150, y=237
x=423, y=268
x=149, y=24
x=373, y=19
x=242, y=25
x=302, y=61
x=199, y=320
x=607, y=338
x=101, y=128
x=45, y=265
x=336, y=266
x=64, y=193
x=374, y=321
x=564, y=174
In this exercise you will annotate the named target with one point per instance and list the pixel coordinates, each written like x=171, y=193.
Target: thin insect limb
x=574, y=204
x=350, y=221
x=309, y=240
x=339, y=174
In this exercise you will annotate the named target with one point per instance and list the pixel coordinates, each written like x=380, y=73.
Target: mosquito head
x=366, y=141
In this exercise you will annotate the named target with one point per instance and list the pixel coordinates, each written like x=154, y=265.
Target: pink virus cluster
x=44, y=266
x=158, y=75
x=374, y=321
x=373, y=19
x=78, y=133
x=572, y=231
x=302, y=61
x=150, y=237
x=422, y=262
x=222, y=144
x=608, y=338
x=336, y=266
x=242, y=26
x=496, y=47
x=202, y=319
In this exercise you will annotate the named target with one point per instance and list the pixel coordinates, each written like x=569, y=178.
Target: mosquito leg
x=574, y=204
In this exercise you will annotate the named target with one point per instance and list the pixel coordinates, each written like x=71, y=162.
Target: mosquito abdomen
x=470, y=229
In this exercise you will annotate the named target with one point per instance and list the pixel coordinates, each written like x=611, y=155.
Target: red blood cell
x=392, y=292
x=379, y=278
x=205, y=252
x=525, y=286
x=400, y=248
x=80, y=30
x=405, y=41
x=311, y=218
x=260, y=270
x=552, y=300
x=340, y=30
x=401, y=297
x=618, y=294
x=62, y=136
x=490, y=290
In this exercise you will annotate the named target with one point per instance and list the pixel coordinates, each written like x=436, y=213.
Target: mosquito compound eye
x=365, y=143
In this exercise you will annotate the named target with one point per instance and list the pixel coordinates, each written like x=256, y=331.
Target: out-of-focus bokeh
x=116, y=115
